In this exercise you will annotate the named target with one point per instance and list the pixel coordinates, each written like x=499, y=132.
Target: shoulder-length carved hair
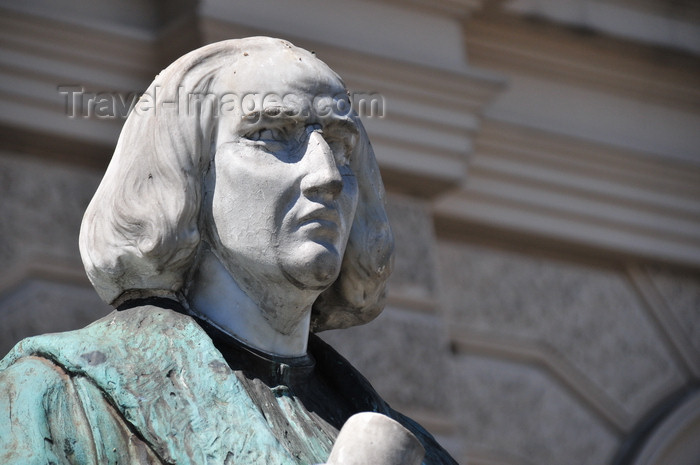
x=140, y=234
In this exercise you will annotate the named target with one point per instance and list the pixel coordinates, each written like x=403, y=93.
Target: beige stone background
x=542, y=160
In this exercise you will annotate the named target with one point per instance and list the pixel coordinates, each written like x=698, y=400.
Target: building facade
x=542, y=160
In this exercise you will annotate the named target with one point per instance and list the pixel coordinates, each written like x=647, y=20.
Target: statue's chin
x=313, y=265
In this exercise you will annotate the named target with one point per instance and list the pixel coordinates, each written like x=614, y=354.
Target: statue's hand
x=373, y=438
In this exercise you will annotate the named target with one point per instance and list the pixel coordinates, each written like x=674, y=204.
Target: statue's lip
x=325, y=215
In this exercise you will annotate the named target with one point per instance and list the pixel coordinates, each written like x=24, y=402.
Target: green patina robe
x=149, y=386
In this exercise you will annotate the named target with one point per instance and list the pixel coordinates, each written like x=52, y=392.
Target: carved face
x=280, y=194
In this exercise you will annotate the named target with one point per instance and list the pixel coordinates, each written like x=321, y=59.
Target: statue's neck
x=215, y=296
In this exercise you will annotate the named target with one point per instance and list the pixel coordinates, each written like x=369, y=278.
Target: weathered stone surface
x=41, y=209
x=510, y=410
x=682, y=295
x=403, y=354
x=39, y=306
x=414, y=266
x=590, y=316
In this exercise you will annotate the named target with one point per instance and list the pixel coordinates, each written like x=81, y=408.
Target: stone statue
x=242, y=211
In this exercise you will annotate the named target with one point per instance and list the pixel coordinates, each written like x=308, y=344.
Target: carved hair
x=140, y=233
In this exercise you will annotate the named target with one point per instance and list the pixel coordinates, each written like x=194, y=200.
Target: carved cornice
x=669, y=326
x=513, y=44
x=531, y=187
x=545, y=357
x=41, y=266
x=681, y=9
x=39, y=54
x=458, y=8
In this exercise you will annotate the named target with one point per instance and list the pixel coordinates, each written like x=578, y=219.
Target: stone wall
x=42, y=286
x=543, y=190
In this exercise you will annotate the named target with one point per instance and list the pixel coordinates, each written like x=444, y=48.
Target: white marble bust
x=259, y=207
x=242, y=211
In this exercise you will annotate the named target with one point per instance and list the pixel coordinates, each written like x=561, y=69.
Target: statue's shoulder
x=119, y=336
x=161, y=371
x=68, y=383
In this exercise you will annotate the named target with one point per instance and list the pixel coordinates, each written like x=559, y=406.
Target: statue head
x=248, y=149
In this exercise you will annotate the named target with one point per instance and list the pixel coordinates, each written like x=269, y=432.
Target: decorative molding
x=534, y=186
x=546, y=357
x=675, y=440
x=39, y=54
x=669, y=326
x=380, y=28
x=404, y=300
x=71, y=53
x=513, y=45
x=685, y=9
x=453, y=8
x=668, y=26
x=42, y=267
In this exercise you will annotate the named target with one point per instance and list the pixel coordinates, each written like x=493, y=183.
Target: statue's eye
x=342, y=146
x=341, y=151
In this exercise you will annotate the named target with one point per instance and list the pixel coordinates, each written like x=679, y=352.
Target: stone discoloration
x=94, y=358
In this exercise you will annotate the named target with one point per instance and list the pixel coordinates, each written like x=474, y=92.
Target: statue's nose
x=323, y=177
